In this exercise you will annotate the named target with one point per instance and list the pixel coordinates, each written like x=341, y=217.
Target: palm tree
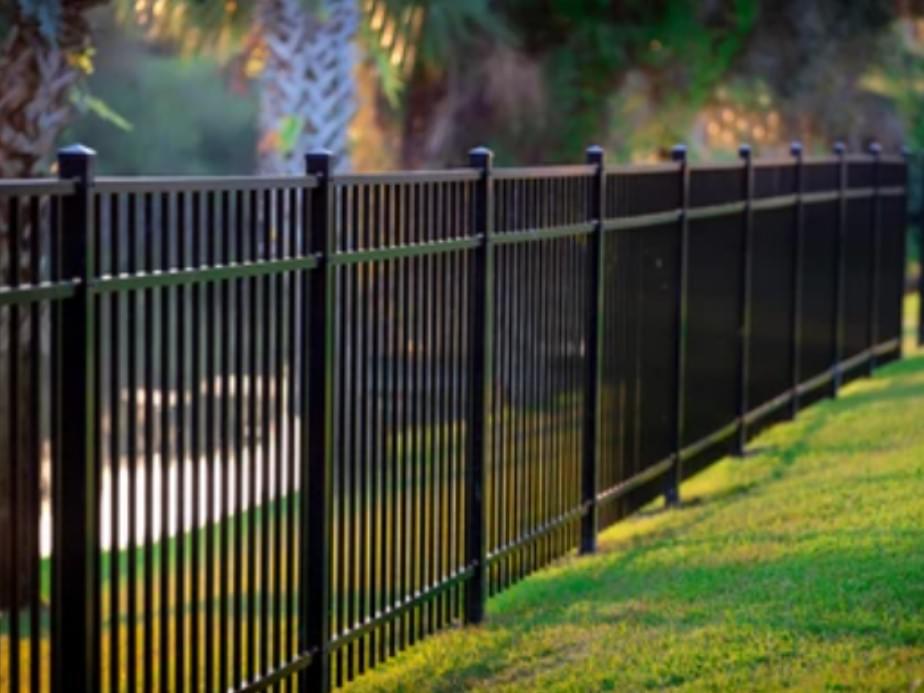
x=307, y=87
x=44, y=53
x=304, y=54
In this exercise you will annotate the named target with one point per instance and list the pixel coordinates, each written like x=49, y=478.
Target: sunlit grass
x=799, y=567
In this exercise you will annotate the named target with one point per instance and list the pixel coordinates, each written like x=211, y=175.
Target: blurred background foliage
x=174, y=85
x=166, y=113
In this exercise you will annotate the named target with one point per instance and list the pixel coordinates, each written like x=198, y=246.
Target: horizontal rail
x=752, y=416
x=729, y=208
x=642, y=221
x=182, y=277
x=824, y=160
x=34, y=293
x=301, y=662
x=855, y=360
x=693, y=449
x=551, y=233
x=397, y=610
x=36, y=186
x=355, y=257
x=535, y=172
x=887, y=346
x=622, y=488
x=768, y=407
x=815, y=198
x=889, y=159
x=863, y=356
x=815, y=382
x=643, y=169
x=859, y=193
x=452, y=175
x=157, y=184
x=779, y=162
x=539, y=532
x=760, y=204
x=713, y=211
x=717, y=166
x=766, y=204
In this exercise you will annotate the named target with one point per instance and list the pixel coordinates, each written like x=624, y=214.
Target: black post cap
x=319, y=162
x=76, y=161
x=481, y=157
x=594, y=154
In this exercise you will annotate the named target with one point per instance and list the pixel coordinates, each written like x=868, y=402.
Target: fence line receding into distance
x=267, y=432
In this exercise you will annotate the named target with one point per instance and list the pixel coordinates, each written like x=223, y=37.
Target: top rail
x=719, y=166
x=36, y=186
x=774, y=162
x=452, y=175
x=825, y=160
x=533, y=172
x=642, y=169
x=159, y=184
x=866, y=158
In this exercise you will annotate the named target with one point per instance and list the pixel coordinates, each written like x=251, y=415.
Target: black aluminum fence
x=267, y=432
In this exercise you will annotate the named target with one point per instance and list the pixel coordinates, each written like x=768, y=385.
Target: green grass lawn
x=799, y=567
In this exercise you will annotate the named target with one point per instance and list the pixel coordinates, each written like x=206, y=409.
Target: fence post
x=316, y=532
x=875, y=151
x=76, y=534
x=744, y=348
x=920, y=224
x=480, y=331
x=907, y=157
x=840, y=150
x=795, y=148
x=593, y=372
x=674, y=474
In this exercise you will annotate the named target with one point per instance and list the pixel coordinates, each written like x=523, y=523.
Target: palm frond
x=450, y=27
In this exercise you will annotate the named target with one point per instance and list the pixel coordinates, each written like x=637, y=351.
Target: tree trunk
x=36, y=79
x=307, y=87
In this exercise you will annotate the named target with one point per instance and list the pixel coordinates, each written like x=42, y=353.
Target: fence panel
x=542, y=223
x=270, y=432
x=401, y=395
x=200, y=293
x=859, y=258
x=32, y=289
x=894, y=210
x=773, y=331
x=639, y=328
x=819, y=279
x=772, y=305
x=715, y=294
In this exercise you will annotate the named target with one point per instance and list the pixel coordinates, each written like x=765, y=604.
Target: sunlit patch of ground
x=799, y=567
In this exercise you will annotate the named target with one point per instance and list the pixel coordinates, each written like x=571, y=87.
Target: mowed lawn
x=800, y=567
